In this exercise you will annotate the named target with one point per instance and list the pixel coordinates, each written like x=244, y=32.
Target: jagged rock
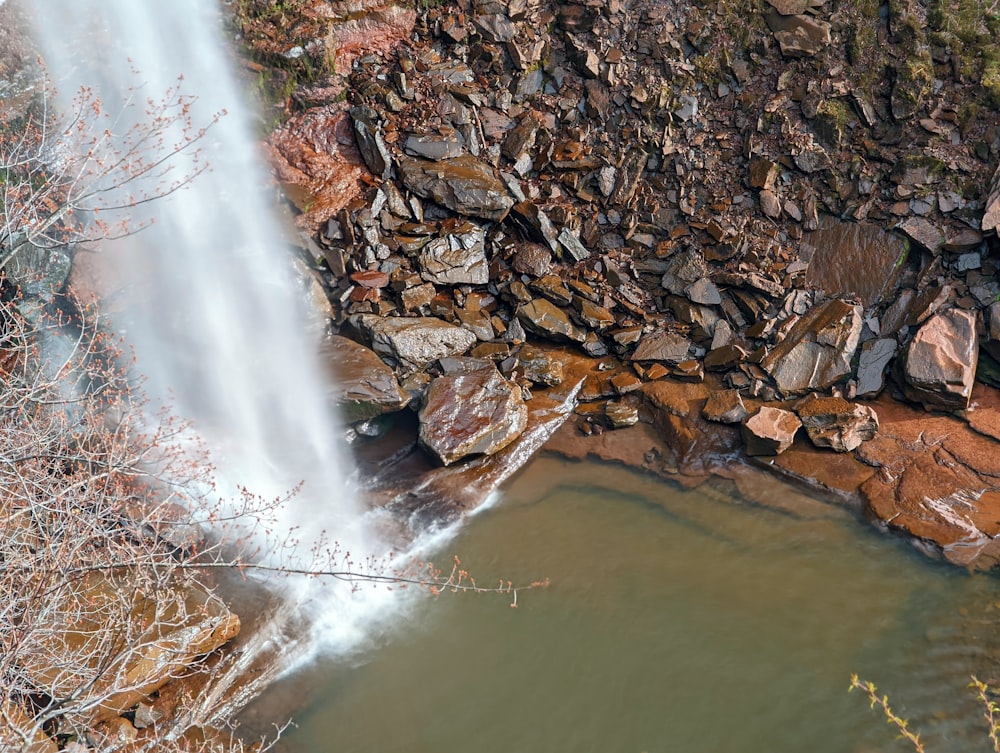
x=770, y=431
x=924, y=232
x=703, y=291
x=364, y=386
x=854, y=259
x=540, y=367
x=548, y=320
x=475, y=412
x=662, y=346
x=368, y=133
x=621, y=414
x=433, y=148
x=532, y=259
x=146, y=716
x=724, y=406
x=799, y=35
x=817, y=350
x=991, y=215
x=592, y=315
x=463, y=184
x=456, y=258
x=991, y=342
x=769, y=204
x=941, y=361
x=789, y=7
x=875, y=356
x=724, y=357
x=836, y=423
x=414, y=342
x=568, y=240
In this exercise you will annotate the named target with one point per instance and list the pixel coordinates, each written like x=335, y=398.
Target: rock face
x=473, y=412
x=941, y=361
x=165, y=632
x=464, y=184
x=770, y=431
x=414, y=342
x=818, y=349
x=836, y=423
x=363, y=385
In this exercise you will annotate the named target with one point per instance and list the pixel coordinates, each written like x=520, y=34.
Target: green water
x=676, y=621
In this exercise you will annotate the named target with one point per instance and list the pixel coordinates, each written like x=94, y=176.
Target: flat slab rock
x=464, y=184
x=475, y=411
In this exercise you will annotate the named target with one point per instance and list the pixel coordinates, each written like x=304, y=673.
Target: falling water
x=210, y=306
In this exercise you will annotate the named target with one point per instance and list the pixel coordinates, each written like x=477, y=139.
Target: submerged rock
x=941, y=361
x=477, y=412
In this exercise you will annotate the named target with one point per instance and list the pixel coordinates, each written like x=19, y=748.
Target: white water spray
x=214, y=313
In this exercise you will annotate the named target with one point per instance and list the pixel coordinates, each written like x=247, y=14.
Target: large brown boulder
x=941, y=361
x=817, y=351
x=473, y=411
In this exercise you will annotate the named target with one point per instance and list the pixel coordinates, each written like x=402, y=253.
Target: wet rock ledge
x=753, y=234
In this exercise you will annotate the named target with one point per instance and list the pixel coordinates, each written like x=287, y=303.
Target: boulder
x=817, y=350
x=662, y=346
x=548, y=320
x=472, y=412
x=364, y=386
x=798, y=35
x=457, y=258
x=836, y=423
x=725, y=407
x=463, y=184
x=854, y=259
x=414, y=342
x=941, y=361
x=770, y=431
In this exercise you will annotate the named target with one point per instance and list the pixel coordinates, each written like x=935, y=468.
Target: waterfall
x=209, y=304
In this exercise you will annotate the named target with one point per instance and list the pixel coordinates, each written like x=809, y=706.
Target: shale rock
x=941, y=361
x=456, y=258
x=875, y=357
x=836, y=423
x=662, y=346
x=540, y=367
x=415, y=342
x=799, y=36
x=770, y=431
x=477, y=412
x=463, y=184
x=724, y=406
x=364, y=386
x=549, y=321
x=818, y=349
